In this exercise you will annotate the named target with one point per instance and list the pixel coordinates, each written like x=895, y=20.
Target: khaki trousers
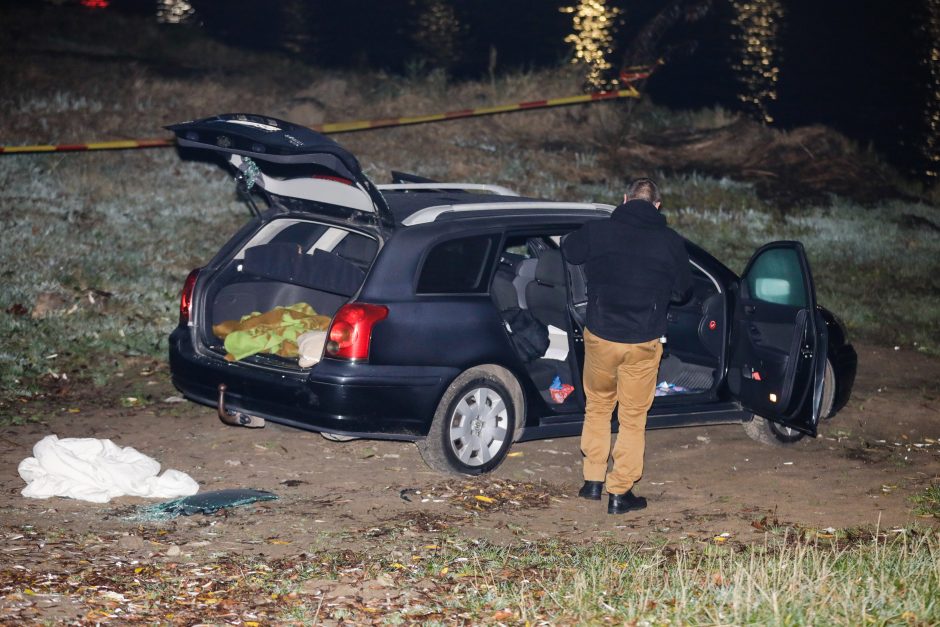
x=622, y=375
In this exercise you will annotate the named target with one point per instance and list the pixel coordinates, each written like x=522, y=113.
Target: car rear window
x=458, y=266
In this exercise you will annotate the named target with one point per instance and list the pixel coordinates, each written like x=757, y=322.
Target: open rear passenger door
x=778, y=340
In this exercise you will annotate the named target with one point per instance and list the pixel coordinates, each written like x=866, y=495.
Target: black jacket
x=635, y=266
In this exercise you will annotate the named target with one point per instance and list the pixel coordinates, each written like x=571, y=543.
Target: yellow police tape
x=348, y=127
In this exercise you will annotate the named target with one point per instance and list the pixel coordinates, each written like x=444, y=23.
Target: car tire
x=828, y=391
x=473, y=426
x=769, y=432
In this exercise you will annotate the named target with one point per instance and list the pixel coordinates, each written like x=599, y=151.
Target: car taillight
x=351, y=330
x=186, y=298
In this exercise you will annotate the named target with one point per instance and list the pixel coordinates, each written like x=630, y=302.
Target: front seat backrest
x=547, y=295
x=502, y=290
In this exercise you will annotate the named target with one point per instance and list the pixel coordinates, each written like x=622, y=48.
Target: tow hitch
x=236, y=418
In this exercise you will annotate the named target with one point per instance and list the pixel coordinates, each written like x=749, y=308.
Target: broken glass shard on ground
x=205, y=503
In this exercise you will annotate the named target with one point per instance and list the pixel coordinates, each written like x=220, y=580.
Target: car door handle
x=750, y=309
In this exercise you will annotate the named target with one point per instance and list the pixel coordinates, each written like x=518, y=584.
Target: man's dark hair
x=644, y=189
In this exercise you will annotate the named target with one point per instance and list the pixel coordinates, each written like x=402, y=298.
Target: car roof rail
x=476, y=187
x=431, y=214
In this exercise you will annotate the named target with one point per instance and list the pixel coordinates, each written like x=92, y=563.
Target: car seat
x=502, y=290
x=547, y=295
x=513, y=287
x=547, y=300
x=525, y=274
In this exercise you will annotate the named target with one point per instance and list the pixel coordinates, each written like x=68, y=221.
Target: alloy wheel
x=477, y=426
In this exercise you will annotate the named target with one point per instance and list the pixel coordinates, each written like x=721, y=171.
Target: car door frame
x=574, y=330
x=793, y=397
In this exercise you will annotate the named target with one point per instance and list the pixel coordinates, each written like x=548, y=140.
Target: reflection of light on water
x=932, y=108
x=594, y=25
x=174, y=11
x=758, y=68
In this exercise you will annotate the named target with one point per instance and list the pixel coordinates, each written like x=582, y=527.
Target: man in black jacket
x=635, y=266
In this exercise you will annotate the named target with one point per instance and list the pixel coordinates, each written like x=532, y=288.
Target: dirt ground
x=869, y=460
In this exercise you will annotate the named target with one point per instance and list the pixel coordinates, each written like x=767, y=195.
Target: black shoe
x=626, y=502
x=591, y=490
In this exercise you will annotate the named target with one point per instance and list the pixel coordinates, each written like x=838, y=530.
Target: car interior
x=288, y=262
x=533, y=276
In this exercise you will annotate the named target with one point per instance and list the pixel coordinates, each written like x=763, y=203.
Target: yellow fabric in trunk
x=275, y=331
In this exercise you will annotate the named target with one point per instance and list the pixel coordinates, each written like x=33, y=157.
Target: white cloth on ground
x=98, y=471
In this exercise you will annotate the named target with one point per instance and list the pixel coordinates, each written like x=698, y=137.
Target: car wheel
x=769, y=432
x=473, y=427
x=828, y=391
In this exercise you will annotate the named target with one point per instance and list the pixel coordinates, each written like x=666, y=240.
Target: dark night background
x=862, y=68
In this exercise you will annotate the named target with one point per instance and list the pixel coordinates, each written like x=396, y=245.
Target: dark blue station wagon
x=454, y=320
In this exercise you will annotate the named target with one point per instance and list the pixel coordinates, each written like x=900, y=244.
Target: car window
x=777, y=277
x=519, y=250
x=458, y=266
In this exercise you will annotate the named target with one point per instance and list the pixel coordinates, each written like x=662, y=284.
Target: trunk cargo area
x=286, y=263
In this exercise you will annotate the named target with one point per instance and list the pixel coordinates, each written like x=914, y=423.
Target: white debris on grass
x=96, y=470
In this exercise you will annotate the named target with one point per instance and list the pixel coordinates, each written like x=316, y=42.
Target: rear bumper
x=391, y=402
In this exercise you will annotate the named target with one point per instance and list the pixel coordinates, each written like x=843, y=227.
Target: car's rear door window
x=458, y=266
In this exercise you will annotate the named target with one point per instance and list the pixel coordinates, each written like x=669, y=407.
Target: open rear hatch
x=290, y=164
x=302, y=263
